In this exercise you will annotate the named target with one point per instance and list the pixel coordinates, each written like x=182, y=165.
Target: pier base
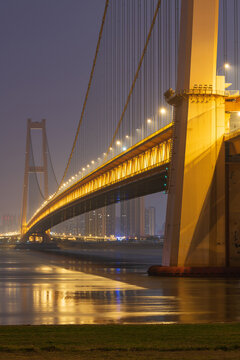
x=188, y=271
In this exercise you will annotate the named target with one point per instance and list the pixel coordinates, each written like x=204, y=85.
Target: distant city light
x=127, y=137
x=88, y=165
x=163, y=110
x=118, y=142
x=92, y=161
x=238, y=113
x=110, y=148
x=226, y=66
x=124, y=148
x=83, y=169
x=149, y=121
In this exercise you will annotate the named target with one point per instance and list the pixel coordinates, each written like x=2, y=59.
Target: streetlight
x=162, y=110
x=225, y=66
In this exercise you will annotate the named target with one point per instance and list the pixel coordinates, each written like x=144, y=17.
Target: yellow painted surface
x=195, y=222
x=202, y=229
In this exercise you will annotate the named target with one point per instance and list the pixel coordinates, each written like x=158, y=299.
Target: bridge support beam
x=195, y=221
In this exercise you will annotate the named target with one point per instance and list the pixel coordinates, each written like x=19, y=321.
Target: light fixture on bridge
x=110, y=148
x=92, y=161
x=162, y=110
x=127, y=137
x=104, y=154
x=238, y=114
x=149, y=121
x=225, y=66
x=83, y=169
x=88, y=165
x=118, y=142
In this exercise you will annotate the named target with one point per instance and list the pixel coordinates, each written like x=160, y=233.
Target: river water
x=43, y=288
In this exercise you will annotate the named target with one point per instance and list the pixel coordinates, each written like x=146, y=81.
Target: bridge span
x=194, y=158
x=140, y=170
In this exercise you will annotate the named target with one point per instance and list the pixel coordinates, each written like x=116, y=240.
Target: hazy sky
x=47, y=49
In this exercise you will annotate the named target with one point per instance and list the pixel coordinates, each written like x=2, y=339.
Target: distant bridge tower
x=29, y=168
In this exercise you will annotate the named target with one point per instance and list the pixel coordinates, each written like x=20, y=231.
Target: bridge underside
x=153, y=181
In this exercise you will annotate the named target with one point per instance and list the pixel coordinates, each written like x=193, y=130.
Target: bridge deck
x=139, y=170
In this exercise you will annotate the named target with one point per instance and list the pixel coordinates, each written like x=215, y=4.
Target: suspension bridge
x=161, y=113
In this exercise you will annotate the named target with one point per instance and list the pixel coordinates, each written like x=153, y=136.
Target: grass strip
x=119, y=341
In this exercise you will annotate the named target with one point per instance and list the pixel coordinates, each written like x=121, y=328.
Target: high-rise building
x=110, y=220
x=150, y=221
x=9, y=223
x=100, y=222
x=132, y=218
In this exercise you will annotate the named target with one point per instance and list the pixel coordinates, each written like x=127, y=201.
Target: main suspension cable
x=87, y=93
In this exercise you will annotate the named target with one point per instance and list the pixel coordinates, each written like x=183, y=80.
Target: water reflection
x=47, y=289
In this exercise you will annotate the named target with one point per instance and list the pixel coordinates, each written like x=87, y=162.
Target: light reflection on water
x=39, y=288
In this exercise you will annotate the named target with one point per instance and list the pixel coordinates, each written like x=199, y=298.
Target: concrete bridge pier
x=195, y=234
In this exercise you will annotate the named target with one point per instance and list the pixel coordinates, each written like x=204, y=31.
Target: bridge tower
x=195, y=221
x=31, y=125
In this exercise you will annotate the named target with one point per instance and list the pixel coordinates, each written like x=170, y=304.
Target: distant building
x=132, y=219
x=101, y=222
x=110, y=220
x=90, y=223
x=9, y=223
x=150, y=221
x=74, y=226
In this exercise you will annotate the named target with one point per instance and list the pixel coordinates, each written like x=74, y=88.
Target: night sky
x=47, y=49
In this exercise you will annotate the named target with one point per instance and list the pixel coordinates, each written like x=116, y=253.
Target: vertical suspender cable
x=236, y=42
x=137, y=72
x=87, y=93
